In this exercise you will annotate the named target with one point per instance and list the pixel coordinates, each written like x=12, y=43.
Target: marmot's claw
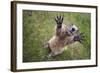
x=59, y=21
x=79, y=37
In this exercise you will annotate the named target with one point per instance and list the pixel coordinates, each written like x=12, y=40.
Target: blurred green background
x=39, y=27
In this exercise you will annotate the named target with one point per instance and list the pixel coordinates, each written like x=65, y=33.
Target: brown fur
x=65, y=35
x=60, y=40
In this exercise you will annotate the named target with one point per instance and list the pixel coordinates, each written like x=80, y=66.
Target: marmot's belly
x=56, y=44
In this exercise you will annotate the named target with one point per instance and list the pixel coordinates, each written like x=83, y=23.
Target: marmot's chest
x=57, y=43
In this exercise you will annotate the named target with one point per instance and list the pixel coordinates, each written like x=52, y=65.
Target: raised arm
x=59, y=21
x=77, y=37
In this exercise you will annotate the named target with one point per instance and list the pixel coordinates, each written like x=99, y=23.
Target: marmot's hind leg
x=53, y=54
x=46, y=45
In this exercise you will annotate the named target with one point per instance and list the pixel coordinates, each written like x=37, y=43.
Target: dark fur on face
x=65, y=35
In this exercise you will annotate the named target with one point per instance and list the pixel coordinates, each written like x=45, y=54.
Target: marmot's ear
x=71, y=24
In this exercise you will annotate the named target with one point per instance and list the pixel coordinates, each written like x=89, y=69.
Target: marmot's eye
x=73, y=29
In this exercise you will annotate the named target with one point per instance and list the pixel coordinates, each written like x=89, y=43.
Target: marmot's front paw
x=59, y=21
x=79, y=37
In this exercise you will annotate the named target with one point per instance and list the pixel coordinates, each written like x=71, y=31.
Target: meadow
x=39, y=27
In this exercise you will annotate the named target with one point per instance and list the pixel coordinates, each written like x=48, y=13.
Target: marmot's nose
x=73, y=29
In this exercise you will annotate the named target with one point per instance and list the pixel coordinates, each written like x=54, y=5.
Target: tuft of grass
x=39, y=27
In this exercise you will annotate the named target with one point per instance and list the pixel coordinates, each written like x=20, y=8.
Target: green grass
x=39, y=27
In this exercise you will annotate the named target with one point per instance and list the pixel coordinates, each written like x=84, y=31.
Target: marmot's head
x=71, y=29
